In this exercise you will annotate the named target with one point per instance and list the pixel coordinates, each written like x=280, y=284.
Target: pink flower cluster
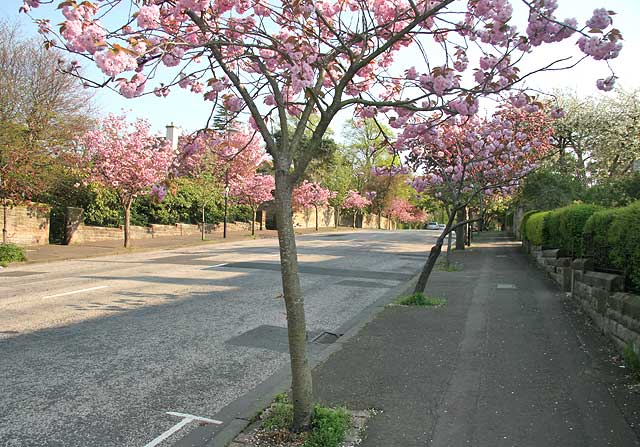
x=253, y=190
x=309, y=194
x=355, y=201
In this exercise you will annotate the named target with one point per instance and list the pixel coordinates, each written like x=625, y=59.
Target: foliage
x=534, y=229
x=614, y=192
x=523, y=223
x=624, y=239
x=280, y=414
x=547, y=189
x=11, y=253
x=596, y=237
x=564, y=228
x=310, y=194
x=631, y=358
x=599, y=136
x=419, y=299
x=328, y=427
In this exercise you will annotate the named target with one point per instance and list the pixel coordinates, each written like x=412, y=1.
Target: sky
x=190, y=112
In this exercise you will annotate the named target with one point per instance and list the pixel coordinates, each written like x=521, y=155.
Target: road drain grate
x=326, y=338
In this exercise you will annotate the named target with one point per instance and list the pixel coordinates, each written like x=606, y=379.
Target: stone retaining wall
x=601, y=295
x=86, y=233
x=26, y=225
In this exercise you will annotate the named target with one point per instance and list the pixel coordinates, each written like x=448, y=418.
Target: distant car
x=441, y=226
x=432, y=226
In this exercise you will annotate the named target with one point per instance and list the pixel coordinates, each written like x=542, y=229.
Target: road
x=96, y=351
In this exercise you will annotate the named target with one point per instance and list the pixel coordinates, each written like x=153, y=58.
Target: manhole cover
x=19, y=274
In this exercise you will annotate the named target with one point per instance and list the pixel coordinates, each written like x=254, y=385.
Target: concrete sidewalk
x=51, y=252
x=509, y=361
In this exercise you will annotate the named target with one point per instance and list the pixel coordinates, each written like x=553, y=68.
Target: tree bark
x=460, y=231
x=301, y=385
x=421, y=285
x=316, y=208
x=354, y=219
x=203, y=223
x=127, y=220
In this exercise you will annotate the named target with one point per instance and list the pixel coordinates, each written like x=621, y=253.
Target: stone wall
x=307, y=218
x=27, y=225
x=601, y=295
x=86, y=233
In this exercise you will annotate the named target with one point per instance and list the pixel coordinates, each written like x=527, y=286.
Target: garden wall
x=86, y=233
x=601, y=295
x=307, y=218
x=27, y=225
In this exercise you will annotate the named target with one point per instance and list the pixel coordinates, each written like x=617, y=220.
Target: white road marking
x=219, y=265
x=76, y=291
x=506, y=286
x=187, y=418
x=198, y=418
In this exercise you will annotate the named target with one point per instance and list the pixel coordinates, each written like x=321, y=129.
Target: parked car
x=432, y=226
x=441, y=226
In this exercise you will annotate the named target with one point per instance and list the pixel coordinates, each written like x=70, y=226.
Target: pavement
x=509, y=361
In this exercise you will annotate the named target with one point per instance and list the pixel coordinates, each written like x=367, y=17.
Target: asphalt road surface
x=95, y=352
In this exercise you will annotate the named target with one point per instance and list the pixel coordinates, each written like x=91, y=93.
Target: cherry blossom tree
x=253, y=191
x=274, y=60
x=128, y=159
x=469, y=157
x=310, y=194
x=401, y=210
x=355, y=202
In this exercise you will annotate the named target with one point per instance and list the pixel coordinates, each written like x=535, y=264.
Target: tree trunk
x=127, y=220
x=253, y=223
x=354, y=219
x=301, y=386
x=380, y=221
x=204, y=224
x=316, y=207
x=421, y=285
x=337, y=215
x=4, y=222
x=469, y=228
x=460, y=231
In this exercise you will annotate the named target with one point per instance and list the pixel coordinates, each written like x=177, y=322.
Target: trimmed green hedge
x=523, y=224
x=596, y=237
x=624, y=239
x=611, y=237
x=534, y=228
x=568, y=234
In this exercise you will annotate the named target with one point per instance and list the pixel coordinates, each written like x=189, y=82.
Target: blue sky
x=190, y=112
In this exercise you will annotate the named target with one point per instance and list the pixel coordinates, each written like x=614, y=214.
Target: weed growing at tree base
x=419, y=299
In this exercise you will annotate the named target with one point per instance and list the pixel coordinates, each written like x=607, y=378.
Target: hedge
x=624, y=239
x=568, y=235
x=523, y=224
x=11, y=253
x=596, y=237
x=535, y=226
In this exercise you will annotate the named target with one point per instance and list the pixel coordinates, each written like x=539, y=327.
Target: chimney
x=172, y=136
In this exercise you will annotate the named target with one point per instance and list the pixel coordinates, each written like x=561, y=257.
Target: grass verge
x=420, y=299
x=11, y=253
